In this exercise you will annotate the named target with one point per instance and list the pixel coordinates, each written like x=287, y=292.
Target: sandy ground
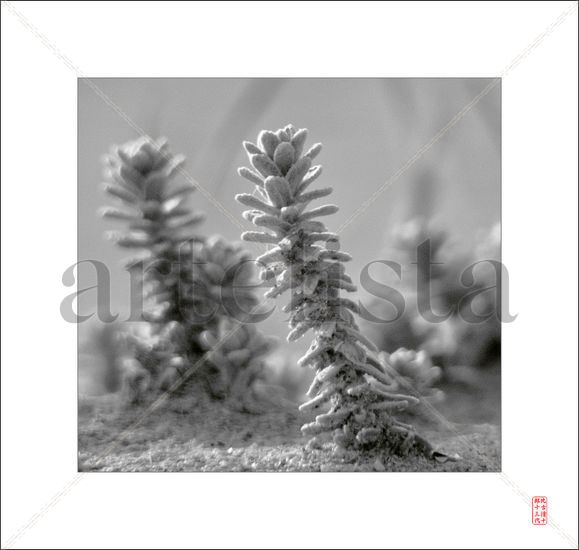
x=192, y=433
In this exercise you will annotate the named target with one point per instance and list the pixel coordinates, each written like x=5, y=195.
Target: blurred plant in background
x=225, y=278
x=459, y=339
x=191, y=283
x=414, y=373
x=160, y=227
x=236, y=352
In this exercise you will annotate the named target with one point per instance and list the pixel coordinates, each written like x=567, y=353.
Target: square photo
x=289, y=275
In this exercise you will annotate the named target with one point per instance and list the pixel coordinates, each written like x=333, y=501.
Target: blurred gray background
x=369, y=129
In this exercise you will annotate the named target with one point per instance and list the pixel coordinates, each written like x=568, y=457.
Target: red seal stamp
x=539, y=510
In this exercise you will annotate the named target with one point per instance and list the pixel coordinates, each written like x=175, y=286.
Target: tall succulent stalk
x=191, y=282
x=160, y=228
x=304, y=259
x=159, y=225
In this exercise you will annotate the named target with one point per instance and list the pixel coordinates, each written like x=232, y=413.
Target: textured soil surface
x=194, y=433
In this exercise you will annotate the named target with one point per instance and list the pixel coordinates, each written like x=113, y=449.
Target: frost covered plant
x=237, y=351
x=189, y=282
x=156, y=359
x=304, y=259
x=415, y=374
x=159, y=225
x=160, y=228
x=439, y=266
x=224, y=274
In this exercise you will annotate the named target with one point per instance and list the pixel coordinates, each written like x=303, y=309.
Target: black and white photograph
x=254, y=310
x=289, y=274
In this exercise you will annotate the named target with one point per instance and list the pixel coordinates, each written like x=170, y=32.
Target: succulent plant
x=139, y=175
x=415, y=374
x=224, y=275
x=237, y=351
x=453, y=341
x=160, y=228
x=151, y=359
x=306, y=261
x=189, y=282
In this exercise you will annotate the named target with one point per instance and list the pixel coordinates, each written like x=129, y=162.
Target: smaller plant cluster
x=191, y=283
x=150, y=360
x=224, y=275
x=305, y=261
x=456, y=340
x=158, y=225
x=414, y=374
x=236, y=351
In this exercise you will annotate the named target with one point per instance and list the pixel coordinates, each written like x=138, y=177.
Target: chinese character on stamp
x=539, y=510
